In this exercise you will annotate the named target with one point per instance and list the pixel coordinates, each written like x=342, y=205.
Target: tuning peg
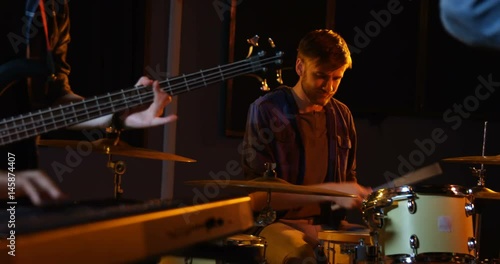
x=254, y=41
x=271, y=42
x=264, y=87
x=279, y=76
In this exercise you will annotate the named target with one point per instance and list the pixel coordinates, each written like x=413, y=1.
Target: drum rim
x=250, y=239
x=442, y=189
x=385, y=197
x=406, y=191
x=432, y=257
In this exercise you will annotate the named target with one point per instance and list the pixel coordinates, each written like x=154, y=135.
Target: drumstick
x=413, y=177
x=407, y=179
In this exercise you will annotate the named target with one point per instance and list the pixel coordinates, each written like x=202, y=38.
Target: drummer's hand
x=32, y=183
x=353, y=188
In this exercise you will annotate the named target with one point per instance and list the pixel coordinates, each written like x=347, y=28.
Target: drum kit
x=405, y=223
x=422, y=223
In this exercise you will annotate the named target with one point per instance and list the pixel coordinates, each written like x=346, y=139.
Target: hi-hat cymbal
x=273, y=185
x=487, y=160
x=108, y=146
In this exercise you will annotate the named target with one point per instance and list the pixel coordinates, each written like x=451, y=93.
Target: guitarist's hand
x=32, y=183
x=151, y=116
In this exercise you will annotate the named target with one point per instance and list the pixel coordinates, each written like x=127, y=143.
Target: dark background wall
x=408, y=75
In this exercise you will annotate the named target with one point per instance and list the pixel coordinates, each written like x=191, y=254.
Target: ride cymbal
x=481, y=192
x=487, y=160
x=273, y=185
x=110, y=147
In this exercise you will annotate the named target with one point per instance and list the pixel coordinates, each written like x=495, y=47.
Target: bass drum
x=422, y=223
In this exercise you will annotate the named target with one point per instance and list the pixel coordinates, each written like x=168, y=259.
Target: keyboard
x=117, y=231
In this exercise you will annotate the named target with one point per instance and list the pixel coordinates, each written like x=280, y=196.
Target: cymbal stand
x=119, y=169
x=480, y=174
x=267, y=215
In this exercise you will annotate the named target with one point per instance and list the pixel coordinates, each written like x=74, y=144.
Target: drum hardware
x=377, y=218
x=414, y=244
x=267, y=215
x=470, y=209
x=368, y=253
x=411, y=205
x=111, y=145
x=119, y=169
x=472, y=244
x=480, y=191
x=349, y=247
x=374, y=217
x=406, y=219
x=404, y=180
x=270, y=183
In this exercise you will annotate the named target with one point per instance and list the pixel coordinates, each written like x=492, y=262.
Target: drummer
x=311, y=138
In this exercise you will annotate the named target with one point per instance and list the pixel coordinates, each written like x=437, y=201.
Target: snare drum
x=339, y=246
x=422, y=223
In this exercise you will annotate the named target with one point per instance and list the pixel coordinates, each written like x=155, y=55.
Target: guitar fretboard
x=42, y=121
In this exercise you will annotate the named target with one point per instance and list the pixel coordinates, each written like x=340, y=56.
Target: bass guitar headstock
x=271, y=74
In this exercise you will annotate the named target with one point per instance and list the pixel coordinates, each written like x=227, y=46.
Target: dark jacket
x=17, y=96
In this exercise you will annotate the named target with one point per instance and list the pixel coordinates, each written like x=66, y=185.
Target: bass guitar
x=31, y=124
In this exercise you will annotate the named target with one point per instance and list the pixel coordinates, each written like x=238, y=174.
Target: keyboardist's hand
x=32, y=183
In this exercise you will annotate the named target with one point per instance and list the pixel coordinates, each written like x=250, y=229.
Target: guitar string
x=174, y=85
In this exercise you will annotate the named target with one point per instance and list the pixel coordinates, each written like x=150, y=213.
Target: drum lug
x=469, y=209
x=412, y=206
x=374, y=218
x=367, y=253
x=414, y=244
x=380, y=218
x=472, y=244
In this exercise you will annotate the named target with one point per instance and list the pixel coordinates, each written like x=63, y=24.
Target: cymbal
x=488, y=160
x=108, y=146
x=273, y=185
x=481, y=192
